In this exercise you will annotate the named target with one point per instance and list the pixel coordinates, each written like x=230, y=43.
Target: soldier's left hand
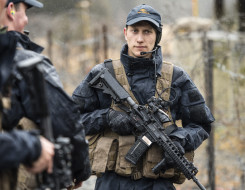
x=45, y=161
x=179, y=145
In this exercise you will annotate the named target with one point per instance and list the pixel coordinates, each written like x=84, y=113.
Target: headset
x=146, y=52
x=159, y=35
x=158, y=39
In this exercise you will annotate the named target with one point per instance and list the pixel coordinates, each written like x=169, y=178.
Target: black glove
x=169, y=163
x=119, y=122
x=179, y=144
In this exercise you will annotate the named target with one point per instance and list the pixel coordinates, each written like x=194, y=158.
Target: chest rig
x=107, y=150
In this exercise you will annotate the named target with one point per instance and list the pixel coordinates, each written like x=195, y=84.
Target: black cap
x=144, y=13
x=29, y=3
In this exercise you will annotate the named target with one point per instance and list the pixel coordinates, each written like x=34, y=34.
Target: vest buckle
x=136, y=176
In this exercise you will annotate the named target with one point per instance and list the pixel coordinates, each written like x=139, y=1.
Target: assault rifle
x=146, y=120
x=61, y=177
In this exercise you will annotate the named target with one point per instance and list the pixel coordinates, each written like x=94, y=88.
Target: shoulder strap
x=164, y=86
x=121, y=77
x=164, y=82
x=116, y=68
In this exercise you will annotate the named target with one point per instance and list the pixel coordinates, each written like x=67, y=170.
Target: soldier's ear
x=10, y=10
x=125, y=33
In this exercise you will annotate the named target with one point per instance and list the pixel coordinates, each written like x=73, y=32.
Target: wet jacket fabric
x=18, y=147
x=188, y=104
x=65, y=116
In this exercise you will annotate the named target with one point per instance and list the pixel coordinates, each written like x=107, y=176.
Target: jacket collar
x=25, y=42
x=131, y=63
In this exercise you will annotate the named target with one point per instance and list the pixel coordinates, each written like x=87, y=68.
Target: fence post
x=208, y=74
x=105, y=42
x=50, y=43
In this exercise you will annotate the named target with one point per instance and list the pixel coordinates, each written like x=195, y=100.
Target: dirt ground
x=88, y=184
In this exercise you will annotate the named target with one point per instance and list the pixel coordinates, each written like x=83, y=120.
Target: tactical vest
x=8, y=177
x=107, y=150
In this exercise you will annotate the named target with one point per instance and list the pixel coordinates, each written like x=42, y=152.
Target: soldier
x=142, y=72
x=17, y=147
x=65, y=115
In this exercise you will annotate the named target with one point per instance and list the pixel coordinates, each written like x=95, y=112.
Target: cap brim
x=34, y=3
x=135, y=20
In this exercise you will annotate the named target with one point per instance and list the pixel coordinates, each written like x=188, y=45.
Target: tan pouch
x=92, y=140
x=103, y=154
x=111, y=163
x=123, y=167
x=26, y=180
x=154, y=156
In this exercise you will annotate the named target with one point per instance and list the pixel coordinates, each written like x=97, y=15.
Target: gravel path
x=88, y=184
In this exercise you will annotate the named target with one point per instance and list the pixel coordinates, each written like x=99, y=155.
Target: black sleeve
x=94, y=104
x=18, y=147
x=190, y=107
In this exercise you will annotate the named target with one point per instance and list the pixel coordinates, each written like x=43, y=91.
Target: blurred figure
x=65, y=116
x=143, y=73
x=16, y=147
x=29, y=148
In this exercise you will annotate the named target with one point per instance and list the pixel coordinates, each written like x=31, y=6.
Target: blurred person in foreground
x=65, y=116
x=16, y=147
x=143, y=73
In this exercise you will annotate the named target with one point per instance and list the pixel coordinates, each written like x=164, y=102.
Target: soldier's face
x=140, y=37
x=20, y=18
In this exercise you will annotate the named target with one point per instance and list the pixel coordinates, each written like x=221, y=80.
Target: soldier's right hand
x=119, y=122
x=45, y=161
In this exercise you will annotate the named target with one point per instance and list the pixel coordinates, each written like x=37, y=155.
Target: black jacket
x=65, y=116
x=15, y=146
x=188, y=104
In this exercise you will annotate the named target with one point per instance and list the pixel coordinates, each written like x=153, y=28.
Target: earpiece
x=12, y=13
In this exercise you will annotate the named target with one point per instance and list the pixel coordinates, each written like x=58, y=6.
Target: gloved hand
x=169, y=163
x=179, y=144
x=119, y=122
